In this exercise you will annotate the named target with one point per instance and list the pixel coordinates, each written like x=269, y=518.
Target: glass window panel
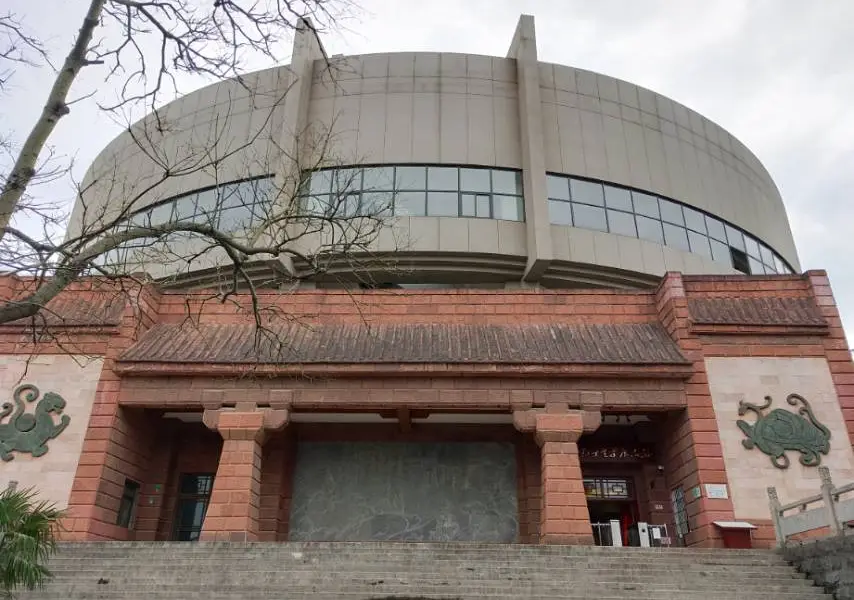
x=694, y=220
x=378, y=178
x=622, y=223
x=442, y=178
x=671, y=212
x=410, y=178
x=649, y=229
x=676, y=237
x=558, y=187
x=780, y=265
x=467, y=205
x=589, y=217
x=185, y=208
x=720, y=252
x=230, y=196
x=349, y=205
x=766, y=255
x=734, y=237
x=346, y=181
x=377, y=204
x=411, y=204
x=715, y=228
x=752, y=246
x=699, y=244
x=618, y=198
x=263, y=189
x=161, y=214
x=484, y=202
x=475, y=180
x=206, y=201
x=756, y=267
x=237, y=219
x=560, y=213
x=142, y=219
x=260, y=212
x=312, y=205
x=508, y=208
x=769, y=269
x=506, y=182
x=739, y=260
x=442, y=204
x=252, y=192
x=586, y=192
x=196, y=484
x=321, y=182
x=646, y=205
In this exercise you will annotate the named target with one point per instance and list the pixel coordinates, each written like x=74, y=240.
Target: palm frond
x=27, y=539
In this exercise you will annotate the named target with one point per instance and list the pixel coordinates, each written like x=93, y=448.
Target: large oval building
x=491, y=171
x=478, y=299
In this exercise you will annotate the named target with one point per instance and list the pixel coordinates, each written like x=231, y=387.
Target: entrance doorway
x=612, y=499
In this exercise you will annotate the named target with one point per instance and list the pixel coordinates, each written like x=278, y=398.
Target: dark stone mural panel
x=404, y=492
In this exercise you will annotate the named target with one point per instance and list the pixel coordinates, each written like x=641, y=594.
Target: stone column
x=234, y=509
x=523, y=49
x=564, y=518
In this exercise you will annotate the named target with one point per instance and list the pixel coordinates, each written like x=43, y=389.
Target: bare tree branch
x=54, y=109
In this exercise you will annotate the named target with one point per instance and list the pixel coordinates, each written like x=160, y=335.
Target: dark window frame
x=191, y=497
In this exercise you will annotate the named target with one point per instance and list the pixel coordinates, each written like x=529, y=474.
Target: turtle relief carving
x=30, y=432
x=781, y=430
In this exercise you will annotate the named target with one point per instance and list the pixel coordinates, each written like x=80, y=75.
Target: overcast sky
x=778, y=74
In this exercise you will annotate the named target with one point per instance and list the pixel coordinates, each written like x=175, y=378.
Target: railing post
x=829, y=502
x=776, y=515
x=616, y=533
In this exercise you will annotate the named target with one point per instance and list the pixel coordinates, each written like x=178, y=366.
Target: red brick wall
x=420, y=306
x=692, y=449
x=836, y=347
x=123, y=442
x=377, y=393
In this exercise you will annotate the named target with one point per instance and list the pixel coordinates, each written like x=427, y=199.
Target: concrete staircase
x=374, y=571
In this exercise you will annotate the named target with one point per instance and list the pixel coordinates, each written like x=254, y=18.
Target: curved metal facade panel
x=474, y=111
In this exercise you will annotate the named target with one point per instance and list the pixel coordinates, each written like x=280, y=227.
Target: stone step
x=288, y=554
x=444, y=594
x=417, y=583
x=391, y=564
x=449, y=570
x=388, y=571
x=415, y=547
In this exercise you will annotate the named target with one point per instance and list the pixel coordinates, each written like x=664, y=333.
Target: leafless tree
x=255, y=203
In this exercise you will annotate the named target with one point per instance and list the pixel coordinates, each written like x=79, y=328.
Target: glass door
x=194, y=493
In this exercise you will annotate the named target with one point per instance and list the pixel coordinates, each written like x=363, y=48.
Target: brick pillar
x=693, y=454
x=234, y=509
x=564, y=518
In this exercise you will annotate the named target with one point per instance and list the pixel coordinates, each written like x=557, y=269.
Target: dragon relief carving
x=781, y=430
x=26, y=432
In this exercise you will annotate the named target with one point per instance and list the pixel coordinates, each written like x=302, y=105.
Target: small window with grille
x=127, y=506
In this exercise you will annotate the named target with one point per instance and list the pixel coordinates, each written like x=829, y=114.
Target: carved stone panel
x=29, y=432
x=781, y=430
x=404, y=491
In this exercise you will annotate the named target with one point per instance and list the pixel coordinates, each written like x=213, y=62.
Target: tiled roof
x=408, y=343
x=756, y=311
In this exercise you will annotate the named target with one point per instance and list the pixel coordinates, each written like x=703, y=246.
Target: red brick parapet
x=234, y=509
